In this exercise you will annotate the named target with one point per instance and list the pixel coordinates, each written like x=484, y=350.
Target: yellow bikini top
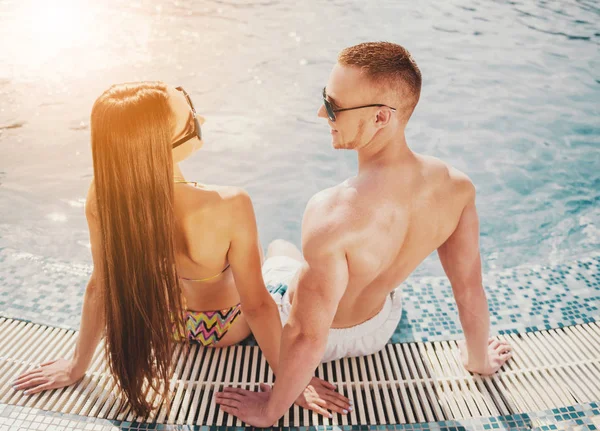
x=199, y=279
x=205, y=279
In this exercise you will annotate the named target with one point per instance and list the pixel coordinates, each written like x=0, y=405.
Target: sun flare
x=47, y=33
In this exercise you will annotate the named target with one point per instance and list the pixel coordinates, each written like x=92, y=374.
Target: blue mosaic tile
x=522, y=299
x=14, y=417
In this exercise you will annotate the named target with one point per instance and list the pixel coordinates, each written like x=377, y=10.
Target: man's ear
x=383, y=117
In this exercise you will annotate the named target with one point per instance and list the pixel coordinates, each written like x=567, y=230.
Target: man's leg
x=281, y=264
x=281, y=247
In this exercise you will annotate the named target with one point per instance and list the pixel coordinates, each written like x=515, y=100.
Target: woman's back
x=203, y=235
x=204, y=223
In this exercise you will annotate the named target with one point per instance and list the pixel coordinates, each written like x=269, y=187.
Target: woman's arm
x=244, y=256
x=64, y=372
x=90, y=330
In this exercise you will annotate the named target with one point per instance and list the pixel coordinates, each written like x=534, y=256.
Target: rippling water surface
x=511, y=95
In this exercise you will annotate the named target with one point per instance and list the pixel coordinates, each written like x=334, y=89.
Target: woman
x=163, y=247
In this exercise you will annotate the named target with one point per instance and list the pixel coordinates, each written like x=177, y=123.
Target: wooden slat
x=207, y=403
x=205, y=356
x=423, y=370
x=530, y=357
x=526, y=386
x=578, y=352
x=375, y=390
x=394, y=389
x=384, y=387
x=349, y=393
x=316, y=418
x=12, y=367
x=227, y=378
x=56, y=345
x=567, y=351
x=62, y=346
x=185, y=392
x=413, y=398
x=482, y=399
x=246, y=353
x=100, y=393
x=441, y=385
x=396, y=368
x=404, y=383
x=72, y=396
x=460, y=382
x=357, y=390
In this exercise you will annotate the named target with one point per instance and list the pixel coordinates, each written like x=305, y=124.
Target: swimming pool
x=510, y=96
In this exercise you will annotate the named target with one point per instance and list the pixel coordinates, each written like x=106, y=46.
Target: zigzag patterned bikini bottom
x=207, y=327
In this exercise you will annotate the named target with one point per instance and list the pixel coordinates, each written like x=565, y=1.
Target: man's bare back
x=395, y=216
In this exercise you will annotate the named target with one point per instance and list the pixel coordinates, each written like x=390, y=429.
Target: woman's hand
x=320, y=397
x=49, y=375
x=499, y=351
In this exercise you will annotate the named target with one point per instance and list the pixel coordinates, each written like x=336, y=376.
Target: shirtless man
x=362, y=238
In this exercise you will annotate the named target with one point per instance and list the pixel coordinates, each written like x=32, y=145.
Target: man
x=362, y=238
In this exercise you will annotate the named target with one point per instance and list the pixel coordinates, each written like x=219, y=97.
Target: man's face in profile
x=347, y=88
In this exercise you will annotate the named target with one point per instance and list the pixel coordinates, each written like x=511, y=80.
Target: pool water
x=510, y=96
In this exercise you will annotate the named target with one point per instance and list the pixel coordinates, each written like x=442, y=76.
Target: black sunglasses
x=331, y=110
x=197, y=132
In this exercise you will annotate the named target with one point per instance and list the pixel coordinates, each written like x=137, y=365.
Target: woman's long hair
x=132, y=129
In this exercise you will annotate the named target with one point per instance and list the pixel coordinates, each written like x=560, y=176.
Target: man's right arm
x=462, y=263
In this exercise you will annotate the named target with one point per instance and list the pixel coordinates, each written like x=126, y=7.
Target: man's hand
x=498, y=353
x=248, y=406
x=319, y=396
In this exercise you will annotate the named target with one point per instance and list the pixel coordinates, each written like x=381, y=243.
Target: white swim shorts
x=363, y=339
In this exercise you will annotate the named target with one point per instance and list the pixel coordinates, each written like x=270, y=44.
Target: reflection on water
x=46, y=32
x=510, y=97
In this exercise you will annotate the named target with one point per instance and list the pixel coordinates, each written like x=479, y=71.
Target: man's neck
x=383, y=152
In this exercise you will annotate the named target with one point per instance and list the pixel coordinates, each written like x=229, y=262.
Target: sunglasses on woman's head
x=197, y=132
x=331, y=110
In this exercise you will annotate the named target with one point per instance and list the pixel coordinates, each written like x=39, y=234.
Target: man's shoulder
x=328, y=215
x=449, y=175
x=332, y=204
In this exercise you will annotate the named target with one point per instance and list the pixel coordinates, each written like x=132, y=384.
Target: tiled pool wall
x=575, y=418
x=520, y=300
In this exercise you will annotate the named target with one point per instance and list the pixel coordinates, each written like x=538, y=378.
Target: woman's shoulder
x=230, y=200
x=228, y=192
x=224, y=208
x=223, y=195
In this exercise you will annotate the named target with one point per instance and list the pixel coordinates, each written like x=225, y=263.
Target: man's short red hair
x=389, y=64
